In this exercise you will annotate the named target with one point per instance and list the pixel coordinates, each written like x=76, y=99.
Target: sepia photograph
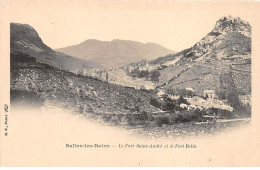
x=129, y=83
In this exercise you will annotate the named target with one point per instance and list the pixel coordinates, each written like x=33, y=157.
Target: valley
x=202, y=90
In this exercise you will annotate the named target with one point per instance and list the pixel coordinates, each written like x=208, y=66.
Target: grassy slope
x=79, y=93
x=200, y=77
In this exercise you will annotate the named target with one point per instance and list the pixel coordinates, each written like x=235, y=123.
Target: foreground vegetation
x=113, y=104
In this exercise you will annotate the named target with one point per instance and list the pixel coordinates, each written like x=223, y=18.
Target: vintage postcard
x=96, y=83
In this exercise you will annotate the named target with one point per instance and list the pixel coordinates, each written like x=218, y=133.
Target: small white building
x=183, y=106
x=190, y=89
x=209, y=93
x=192, y=107
x=245, y=99
x=160, y=93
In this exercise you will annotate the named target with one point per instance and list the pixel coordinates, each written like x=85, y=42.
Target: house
x=183, y=106
x=192, y=107
x=190, y=89
x=160, y=93
x=245, y=99
x=142, y=87
x=209, y=94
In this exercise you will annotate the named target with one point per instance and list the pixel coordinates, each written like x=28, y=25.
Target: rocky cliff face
x=229, y=24
x=26, y=43
x=230, y=36
x=24, y=37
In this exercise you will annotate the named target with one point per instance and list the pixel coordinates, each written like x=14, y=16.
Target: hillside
x=225, y=50
x=76, y=93
x=115, y=52
x=25, y=43
x=230, y=37
x=41, y=77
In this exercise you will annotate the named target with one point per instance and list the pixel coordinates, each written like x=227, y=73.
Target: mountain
x=220, y=61
x=27, y=47
x=115, y=52
x=230, y=37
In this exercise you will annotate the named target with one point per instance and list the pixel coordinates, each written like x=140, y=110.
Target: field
x=197, y=77
x=171, y=72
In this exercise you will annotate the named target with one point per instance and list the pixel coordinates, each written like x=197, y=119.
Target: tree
x=233, y=99
x=144, y=116
x=155, y=75
x=169, y=104
x=100, y=73
x=106, y=77
x=155, y=102
x=182, y=100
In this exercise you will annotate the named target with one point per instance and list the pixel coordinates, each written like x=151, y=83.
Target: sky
x=176, y=25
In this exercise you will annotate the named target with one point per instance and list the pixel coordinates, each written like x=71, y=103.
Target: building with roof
x=211, y=94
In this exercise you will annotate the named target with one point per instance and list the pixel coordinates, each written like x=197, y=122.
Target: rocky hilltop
x=27, y=47
x=230, y=37
x=115, y=52
x=219, y=61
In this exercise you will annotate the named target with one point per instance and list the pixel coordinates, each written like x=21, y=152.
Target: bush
x=155, y=102
x=135, y=109
x=168, y=104
x=106, y=118
x=197, y=115
x=183, y=119
x=159, y=121
x=80, y=109
x=115, y=119
x=144, y=116
x=182, y=100
x=181, y=92
x=130, y=120
x=155, y=75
